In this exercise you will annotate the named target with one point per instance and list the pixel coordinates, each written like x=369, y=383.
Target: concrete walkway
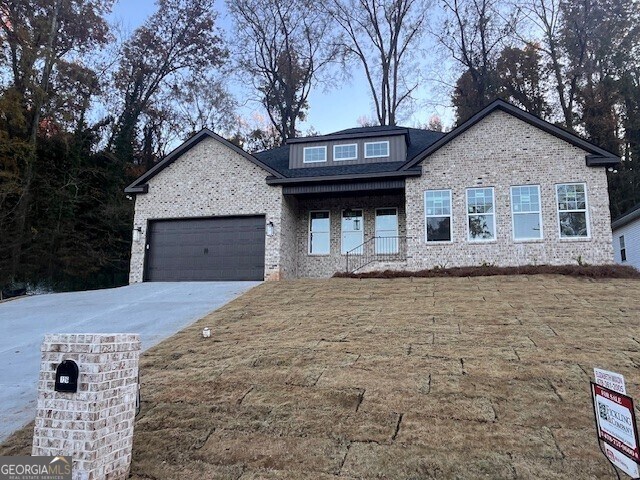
x=154, y=310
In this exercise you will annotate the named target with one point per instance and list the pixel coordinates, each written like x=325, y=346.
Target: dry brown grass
x=464, y=378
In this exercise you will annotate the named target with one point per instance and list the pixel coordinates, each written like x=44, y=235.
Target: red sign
x=616, y=420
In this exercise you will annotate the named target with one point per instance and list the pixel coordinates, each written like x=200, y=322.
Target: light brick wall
x=211, y=180
x=289, y=232
x=319, y=266
x=95, y=424
x=499, y=152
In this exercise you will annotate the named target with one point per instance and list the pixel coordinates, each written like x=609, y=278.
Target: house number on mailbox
x=67, y=377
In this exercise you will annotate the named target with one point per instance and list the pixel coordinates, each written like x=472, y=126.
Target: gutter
x=343, y=178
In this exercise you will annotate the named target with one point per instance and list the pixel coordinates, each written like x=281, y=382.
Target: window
x=319, y=233
x=352, y=232
x=572, y=210
x=314, y=154
x=481, y=218
x=526, y=212
x=376, y=149
x=438, y=215
x=623, y=250
x=386, y=230
x=345, y=152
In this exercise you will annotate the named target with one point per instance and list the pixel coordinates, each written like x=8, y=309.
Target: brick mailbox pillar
x=94, y=425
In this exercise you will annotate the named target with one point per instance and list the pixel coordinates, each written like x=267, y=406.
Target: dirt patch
x=467, y=378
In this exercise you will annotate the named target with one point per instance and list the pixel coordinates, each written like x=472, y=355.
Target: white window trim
x=309, y=234
x=494, y=214
x=304, y=155
x=345, y=145
x=342, y=252
x=622, y=241
x=375, y=228
x=438, y=242
x=376, y=156
x=513, y=216
x=586, y=212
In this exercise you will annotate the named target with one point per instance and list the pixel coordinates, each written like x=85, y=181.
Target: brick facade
x=95, y=424
x=316, y=266
x=502, y=151
x=212, y=180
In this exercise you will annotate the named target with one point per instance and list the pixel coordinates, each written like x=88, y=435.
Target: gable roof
x=358, y=132
x=598, y=156
x=141, y=186
x=420, y=144
x=626, y=218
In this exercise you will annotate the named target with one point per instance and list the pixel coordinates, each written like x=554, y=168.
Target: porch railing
x=376, y=249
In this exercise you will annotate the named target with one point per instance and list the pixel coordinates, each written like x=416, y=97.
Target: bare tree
x=179, y=39
x=474, y=33
x=546, y=18
x=383, y=35
x=283, y=45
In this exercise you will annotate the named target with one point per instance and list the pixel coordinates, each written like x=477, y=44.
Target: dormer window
x=345, y=152
x=376, y=149
x=314, y=154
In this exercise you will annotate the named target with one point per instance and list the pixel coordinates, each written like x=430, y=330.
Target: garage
x=205, y=249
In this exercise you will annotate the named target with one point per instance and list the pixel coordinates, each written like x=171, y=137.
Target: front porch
x=353, y=231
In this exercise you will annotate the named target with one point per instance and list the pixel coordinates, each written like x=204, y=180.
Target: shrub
x=584, y=270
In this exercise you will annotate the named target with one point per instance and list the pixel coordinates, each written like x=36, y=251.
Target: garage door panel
x=224, y=248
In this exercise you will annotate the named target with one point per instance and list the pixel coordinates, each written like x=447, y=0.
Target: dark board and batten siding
x=206, y=249
x=397, y=151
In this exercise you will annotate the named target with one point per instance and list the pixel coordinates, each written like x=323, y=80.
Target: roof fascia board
x=626, y=219
x=331, y=178
x=522, y=115
x=601, y=161
x=349, y=136
x=185, y=147
x=144, y=188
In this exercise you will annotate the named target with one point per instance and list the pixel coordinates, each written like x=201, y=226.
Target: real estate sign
x=616, y=421
x=611, y=380
x=621, y=461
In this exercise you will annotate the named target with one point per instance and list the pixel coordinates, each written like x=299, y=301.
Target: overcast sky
x=335, y=109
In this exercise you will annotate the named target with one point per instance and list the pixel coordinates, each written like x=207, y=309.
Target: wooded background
x=85, y=108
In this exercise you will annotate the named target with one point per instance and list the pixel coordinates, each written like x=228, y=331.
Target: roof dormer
x=348, y=147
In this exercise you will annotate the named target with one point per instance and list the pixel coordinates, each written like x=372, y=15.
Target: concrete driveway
x=154, y=310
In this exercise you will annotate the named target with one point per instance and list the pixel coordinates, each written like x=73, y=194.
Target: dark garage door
x=225, y=248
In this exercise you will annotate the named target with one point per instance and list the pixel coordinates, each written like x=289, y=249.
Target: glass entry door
x=386, y=230
x=352, y=231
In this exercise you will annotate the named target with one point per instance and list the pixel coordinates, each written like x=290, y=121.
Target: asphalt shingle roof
x=419, y=140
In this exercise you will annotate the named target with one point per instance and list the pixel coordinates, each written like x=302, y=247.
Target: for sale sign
x=616, y=420
x=621, y=461
x=611, y=380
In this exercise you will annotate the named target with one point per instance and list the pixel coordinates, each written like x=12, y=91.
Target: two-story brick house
x=504, y=188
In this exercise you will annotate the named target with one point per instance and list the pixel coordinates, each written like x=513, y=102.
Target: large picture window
x=438, y=215
x=526, y=212
x=376, y=149
x=345, y=152
x=314, y=154
x=481, y=216
x=572, y=210
x=319, y=233
x=352, y=231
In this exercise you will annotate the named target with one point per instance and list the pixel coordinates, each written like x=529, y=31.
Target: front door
x=386, y=230
x=352, y=232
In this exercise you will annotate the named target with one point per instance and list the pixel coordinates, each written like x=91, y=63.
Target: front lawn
x=484, y=377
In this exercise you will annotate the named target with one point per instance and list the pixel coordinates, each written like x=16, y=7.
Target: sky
x=330, y=110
